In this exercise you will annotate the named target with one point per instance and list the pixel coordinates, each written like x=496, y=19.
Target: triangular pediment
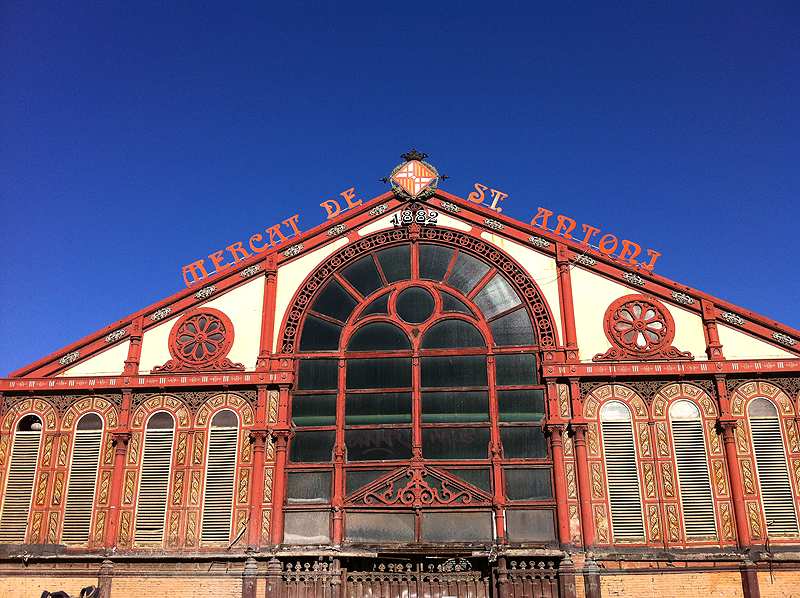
x=142, y=344
x=419, y=486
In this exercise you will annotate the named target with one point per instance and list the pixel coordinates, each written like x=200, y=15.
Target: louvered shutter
x=773, y=476
x=693, y=477
x=219, y=486
x=19, y=487
x=151, y=504
x=81, y=486
x=623, y=481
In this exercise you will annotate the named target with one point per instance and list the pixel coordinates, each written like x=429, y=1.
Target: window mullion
x=416, y=406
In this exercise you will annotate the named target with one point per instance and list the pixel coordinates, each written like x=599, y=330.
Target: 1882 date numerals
x=408, y=217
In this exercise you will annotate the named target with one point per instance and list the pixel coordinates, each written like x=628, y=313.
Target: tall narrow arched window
x=220, y=477
x=624, y=495
x=18, y=492
x=418, y=356
x=697, y=501
x=82, y=482
x=151, y=503
x=773, y=472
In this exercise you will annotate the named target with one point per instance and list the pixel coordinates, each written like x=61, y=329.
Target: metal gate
x=453, y=578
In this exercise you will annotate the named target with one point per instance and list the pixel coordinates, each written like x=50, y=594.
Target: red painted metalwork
x=200, y=341
x=639, y=328
x=566, y=302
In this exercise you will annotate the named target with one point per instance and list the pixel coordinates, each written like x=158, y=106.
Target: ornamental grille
x=19, y=488
x=154, y=486
x=693, y=480
x=220, y=477
x=773, y=476
x=623, y=481
x=81, y=486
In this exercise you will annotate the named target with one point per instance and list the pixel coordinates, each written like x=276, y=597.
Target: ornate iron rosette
x=639, y=327
x=200, y=340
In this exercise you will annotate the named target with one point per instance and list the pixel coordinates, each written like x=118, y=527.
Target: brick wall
x=676, y=585
x=181, y=587
x=25, y=586
x=780, y=584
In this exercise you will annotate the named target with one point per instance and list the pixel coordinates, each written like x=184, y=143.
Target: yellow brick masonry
x=779, y=584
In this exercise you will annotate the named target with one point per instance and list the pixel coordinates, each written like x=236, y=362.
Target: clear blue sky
x=137, y=137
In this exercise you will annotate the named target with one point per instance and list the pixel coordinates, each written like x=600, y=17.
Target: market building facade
x=423, y=397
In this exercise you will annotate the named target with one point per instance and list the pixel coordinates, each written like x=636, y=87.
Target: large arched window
x=772, y=470
x=625, y=497
x=18, y=492
x=151, y=503
x=417, y=354
x=697, y=502
x=220, y=477
x=82, y=483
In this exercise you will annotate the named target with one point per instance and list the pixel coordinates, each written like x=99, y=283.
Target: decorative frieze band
x=294, y=250
x=732, y=318
x=160, y=314
x=538, y=242
x=378, y=210
x=585, y=260
x=69, y=358
x=249, y=271
x=337, y=230
x=450, y=207
x=115, y=336
x=682, y=298
x=634, y=279
x=206, y=292
x=784, y=339
x=493, y=224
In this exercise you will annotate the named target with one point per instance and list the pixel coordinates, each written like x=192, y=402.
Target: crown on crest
x=414, y=155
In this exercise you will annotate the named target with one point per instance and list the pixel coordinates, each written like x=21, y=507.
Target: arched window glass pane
x=387, y=373
x=434, y=261
x=455, y=443
x=333, y=301
x=415, y=305
x=452, y=303
x=381, y=444
x=395, y=263
x=496, y=297
x=452, y=334
x=377, y=408
x=515, y=370
x=225, y=419
x=467, y=273
x=379, y=336
x=615, y=411
x=684, y=410
x=455, y=407
x=161, y=420
x=313, y=410
x=513, y=329
x=90, y=421
x=363, y=275
x=320, y=335
x=317, y=374
x=378, y=306
x=456, y=371
x=762, y=408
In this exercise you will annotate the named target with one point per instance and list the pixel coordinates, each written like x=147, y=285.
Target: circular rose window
x=200, y=340
x=639, y=327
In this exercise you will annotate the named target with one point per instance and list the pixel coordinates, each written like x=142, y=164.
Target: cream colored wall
x=738, y=345
x=592, y=294
x=373, y=227
x=689, y=334
x=540, y=267
x=155, y=346
x=244, y=306
x=107, y=363
x=292, y=275
x=448, y=222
